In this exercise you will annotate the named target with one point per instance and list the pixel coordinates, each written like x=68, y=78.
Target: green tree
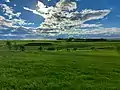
x=9, y=45
x=22, y=48
x=118, y=49
x=40, y=48
x=15, y=46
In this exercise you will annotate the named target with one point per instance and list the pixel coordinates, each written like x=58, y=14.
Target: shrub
x=68, y=49
x=40, y=48
x=38, y=44
x=92, y=48
x=118, y=49
x=70, y=39
x=74, y=49
x=22, y=48
x=51, y=48
x=9, y=45
x=16, y=47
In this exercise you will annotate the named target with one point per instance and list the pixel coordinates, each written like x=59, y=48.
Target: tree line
x=14, y=46
x=83, y=40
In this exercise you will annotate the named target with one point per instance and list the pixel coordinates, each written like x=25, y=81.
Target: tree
x=40, y=48
x=74, y=49
x=51, y=48
x=9, y=45
x=118, y=49
x=22, y=48
x=70, y=39
x=15, y=46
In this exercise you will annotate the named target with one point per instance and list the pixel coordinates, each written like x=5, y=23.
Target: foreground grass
x=60, y=70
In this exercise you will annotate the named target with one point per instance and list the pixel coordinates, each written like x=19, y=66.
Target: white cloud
x=41, y=10
x=7, y=0
x=4, y=22
x=34, y=11
x=66, y=5
x=13, y=20
x=90, y=25
x=15, y=5
x=20, y=22
x=13, y=25
x=8, y=11
x=105, y=31
x=62, y=18
x=89, y=14
x=97, y=31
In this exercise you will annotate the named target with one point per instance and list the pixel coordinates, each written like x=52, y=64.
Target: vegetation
x=40, y=48
x=59, y=65
x=8, y=44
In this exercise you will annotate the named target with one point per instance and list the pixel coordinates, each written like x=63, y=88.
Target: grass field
x=81, y=69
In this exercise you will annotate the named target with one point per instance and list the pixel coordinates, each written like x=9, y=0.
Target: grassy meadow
x=60, y=66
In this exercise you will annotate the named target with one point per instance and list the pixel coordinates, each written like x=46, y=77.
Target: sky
x=50, y=19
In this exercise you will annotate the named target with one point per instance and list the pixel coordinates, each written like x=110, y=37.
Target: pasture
x=60, y=66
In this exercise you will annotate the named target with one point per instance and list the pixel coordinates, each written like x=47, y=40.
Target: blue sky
x=39, y=19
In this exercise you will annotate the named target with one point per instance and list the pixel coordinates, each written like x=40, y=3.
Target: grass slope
x=60, y=70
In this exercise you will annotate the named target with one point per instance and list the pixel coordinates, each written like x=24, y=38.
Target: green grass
x=84, y=69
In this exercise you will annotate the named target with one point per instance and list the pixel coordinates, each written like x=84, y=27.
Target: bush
x=74, y=49
x=22, y=48
x=68, y=49
x=16, y=47
x=70, y=39
x=9, y=45
x=40, y=48
x=38, y=44
x=51, y=48
x=118, y=49
x=92, y=48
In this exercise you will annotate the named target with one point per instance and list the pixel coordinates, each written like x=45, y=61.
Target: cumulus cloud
x=107, y=31
x=90, y=25
x=4, y=22
x=97, y=31
x=63, y=17
x=8, y=11
x=7, y=0
x=41, y=10
x=13, y=24
x=13, y=19
x=66, y=5
x=19, y=22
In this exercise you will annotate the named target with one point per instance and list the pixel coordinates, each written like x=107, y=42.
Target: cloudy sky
x=50, y=19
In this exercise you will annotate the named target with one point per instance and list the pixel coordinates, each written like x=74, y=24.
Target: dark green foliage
x=16, y=47
x=74, y=49
x=92, y=48
x=40, y=48
x=68, y=49
x=51, y=48
x=38, y=44
x=118, y=49
x=70, y=39
x=9, y=45
x=84, y=40
x=22, y=48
